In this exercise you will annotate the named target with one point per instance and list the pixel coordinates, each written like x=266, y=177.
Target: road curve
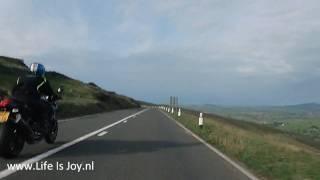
x=145, y=146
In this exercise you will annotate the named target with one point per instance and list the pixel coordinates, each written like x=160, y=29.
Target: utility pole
x=174, y=104
x=177, y=104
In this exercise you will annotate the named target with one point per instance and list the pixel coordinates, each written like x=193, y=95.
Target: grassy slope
x=270, y=153
x=79, y=98
x=265, y=113
x=307, y=127
x=303, y=119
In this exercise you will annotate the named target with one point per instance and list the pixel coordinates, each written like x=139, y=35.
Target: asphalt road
x=145, y=146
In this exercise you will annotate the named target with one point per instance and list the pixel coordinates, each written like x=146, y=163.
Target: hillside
x=302, y=119
x=264, y=113
x=79, y=98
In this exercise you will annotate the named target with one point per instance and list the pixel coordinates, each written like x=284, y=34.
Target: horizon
x=249, y=106
x=245, y=53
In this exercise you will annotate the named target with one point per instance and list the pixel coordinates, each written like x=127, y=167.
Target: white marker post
x=201, y=120
x=172, y=111
x=179, y=112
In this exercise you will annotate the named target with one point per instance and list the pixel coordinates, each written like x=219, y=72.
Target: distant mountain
x=299, y=107
x=306, y=107
x=263, y=113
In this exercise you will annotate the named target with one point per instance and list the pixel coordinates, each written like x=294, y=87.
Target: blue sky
x=237, y=52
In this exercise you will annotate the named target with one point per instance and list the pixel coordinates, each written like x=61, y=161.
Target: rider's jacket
x=33, y=87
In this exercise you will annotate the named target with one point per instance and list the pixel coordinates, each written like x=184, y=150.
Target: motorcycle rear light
x=4, y=103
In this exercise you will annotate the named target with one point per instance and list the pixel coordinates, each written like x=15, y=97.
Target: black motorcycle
x=17, y=126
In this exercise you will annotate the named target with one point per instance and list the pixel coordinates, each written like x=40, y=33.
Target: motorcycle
x=17, y=126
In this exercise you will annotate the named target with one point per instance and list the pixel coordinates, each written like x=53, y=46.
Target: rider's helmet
x=38, y=69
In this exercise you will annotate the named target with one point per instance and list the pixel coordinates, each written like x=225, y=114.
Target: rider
x=31, y=89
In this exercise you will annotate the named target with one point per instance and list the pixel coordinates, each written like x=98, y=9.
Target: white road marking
x=125, y=121
x=53, y=151
x=102, y=133
x=219, y=153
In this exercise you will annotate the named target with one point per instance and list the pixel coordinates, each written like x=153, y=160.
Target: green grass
x=306, y=127
x=262, y=114
x=79, y=98
x=302, y=119
x=268, y=152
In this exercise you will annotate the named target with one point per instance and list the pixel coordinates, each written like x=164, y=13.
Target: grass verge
x=268, y=153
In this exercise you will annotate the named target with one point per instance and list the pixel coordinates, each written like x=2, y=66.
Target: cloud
x=27, y=29
x=235, y=52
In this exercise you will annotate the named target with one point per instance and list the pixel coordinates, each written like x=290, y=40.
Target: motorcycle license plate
x=4, y=116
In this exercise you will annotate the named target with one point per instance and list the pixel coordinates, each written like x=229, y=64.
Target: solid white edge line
x=53, y=151
x=219, y=153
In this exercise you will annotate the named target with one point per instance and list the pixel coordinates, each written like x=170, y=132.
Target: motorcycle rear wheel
x=11, y=141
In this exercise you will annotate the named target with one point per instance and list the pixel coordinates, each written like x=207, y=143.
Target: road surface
x=147, y=146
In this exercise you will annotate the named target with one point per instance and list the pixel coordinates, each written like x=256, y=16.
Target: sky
x=236, y=52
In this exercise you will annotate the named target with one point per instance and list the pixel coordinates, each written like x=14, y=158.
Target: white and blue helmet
x=37, y=69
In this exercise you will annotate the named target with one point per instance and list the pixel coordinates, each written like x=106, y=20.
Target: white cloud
x=247, y=45
x=25, y=32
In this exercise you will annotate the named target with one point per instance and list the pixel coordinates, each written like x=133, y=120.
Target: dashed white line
x=51, y=152
x=102, y=133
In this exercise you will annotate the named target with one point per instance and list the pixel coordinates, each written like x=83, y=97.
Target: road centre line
x=102, y=133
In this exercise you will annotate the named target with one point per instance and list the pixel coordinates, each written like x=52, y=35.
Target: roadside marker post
x=179, y=112
x=172, y=111
x=201, y=120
